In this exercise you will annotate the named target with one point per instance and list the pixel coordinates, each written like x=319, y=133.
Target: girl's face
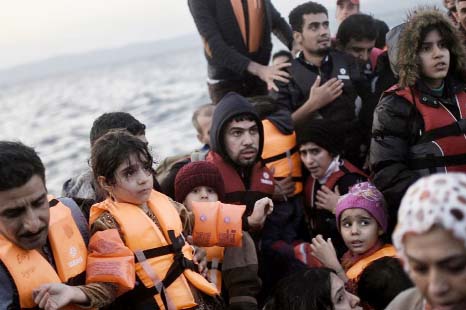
x=359, y=230
x=200, y=193
x=133, y=182
x=437, y=264
x=342, y=299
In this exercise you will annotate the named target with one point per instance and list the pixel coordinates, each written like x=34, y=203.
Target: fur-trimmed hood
x=410, y=42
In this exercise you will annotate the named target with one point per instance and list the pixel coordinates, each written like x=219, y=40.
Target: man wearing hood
x=236, y=140
x=419, y=126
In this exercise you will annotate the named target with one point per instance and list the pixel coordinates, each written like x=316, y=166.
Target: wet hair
x=241, y=117
x=296, y=15
x=382, y=281
x=204, y=110
x=382, y=30
x=113, y=149
x=264, y=105
x=358, y=27
x=308, y=289
x=284, y=53
x=18, y=164
x=115, y=120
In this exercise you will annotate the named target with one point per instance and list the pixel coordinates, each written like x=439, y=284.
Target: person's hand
x=321, y=95
x=262, y=208
x=200, y=258
x=284, y=188
x=324, y=251
x=54, y=296
x=270, y=74
x=327, y=199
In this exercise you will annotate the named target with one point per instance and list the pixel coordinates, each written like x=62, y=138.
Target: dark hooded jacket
x=231, y=106
x=398, y=125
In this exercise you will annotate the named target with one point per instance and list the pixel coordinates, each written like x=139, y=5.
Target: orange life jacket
x=163, y=259
x=214, y=264
x=355, y=271
x=251, y=29
x=442, y=146
x=281, y=153
x=345, y=168
x=216, y=223
x=260, y=182
x=29, y=269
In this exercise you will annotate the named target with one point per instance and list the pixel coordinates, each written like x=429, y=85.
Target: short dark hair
x=296, y=15
x=205, y=110
x=306, y=289
x=264, y=105
x=284, y=53
x=114, y=148
x=381, y=281
x=382, y=30
x=358, y=27
x=115, y=120
x=18, y=164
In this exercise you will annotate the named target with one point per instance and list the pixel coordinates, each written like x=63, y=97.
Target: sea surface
x=55, y=114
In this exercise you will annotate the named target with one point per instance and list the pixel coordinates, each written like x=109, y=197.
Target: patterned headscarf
x=439, y=200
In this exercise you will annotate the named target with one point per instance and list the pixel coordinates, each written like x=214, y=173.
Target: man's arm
x=280, y=28
x=7, y=290
x=225, y=55
x=221, y=53
x=389, y=149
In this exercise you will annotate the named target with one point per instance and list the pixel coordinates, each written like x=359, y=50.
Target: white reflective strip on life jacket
x=158, y=284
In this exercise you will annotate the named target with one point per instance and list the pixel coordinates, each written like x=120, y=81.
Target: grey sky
x=36, y=30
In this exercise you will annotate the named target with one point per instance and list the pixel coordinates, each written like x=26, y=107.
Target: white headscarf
x=439, y=200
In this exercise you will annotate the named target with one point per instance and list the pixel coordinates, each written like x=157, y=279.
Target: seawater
x=55, y=114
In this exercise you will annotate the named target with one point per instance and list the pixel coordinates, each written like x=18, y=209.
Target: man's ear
x=298, y=37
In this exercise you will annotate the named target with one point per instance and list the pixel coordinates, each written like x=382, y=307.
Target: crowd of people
x=331, y=178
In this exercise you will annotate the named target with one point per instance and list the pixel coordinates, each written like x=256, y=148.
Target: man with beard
x=324, y=83
x=42, y=243
x=236, y=141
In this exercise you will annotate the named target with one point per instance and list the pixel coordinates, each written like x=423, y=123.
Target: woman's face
x=342, y=299
x=437, y=264
x=315, y=158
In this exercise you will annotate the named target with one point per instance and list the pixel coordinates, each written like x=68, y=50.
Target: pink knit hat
x=364, y=196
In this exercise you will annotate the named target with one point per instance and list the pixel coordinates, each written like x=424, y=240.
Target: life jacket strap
x=432, y=161
x=180, y=263
x=159, y=286
x=454, y=129
x=281, y=155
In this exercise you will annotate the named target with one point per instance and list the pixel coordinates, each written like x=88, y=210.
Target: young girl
x=150, y=227
x=201, y=181
x=362, y=220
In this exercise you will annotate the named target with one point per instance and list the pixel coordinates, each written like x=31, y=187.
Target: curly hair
x=420, y=22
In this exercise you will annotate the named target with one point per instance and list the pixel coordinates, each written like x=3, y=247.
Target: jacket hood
x=410, y=43
x=232, y=105
x=392, y=38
